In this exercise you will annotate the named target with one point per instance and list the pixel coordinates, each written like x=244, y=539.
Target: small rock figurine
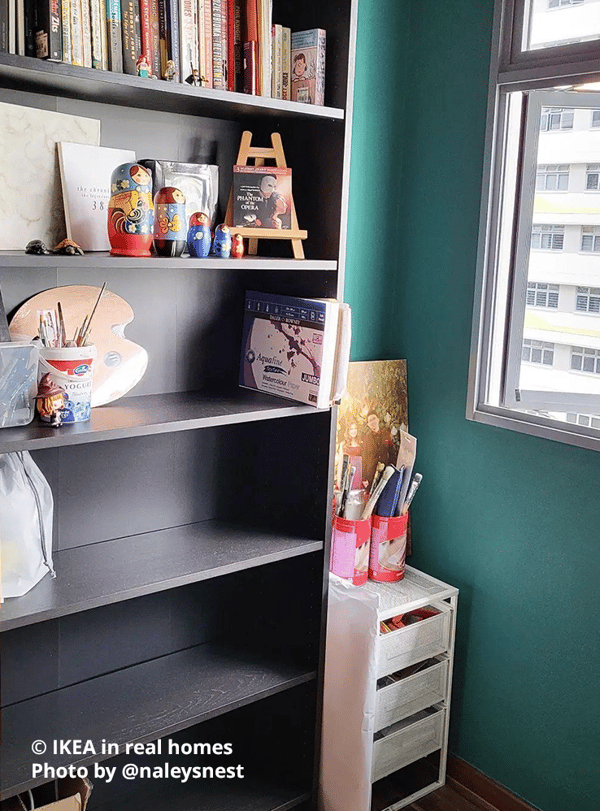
x=68, y=247
x=36, y=246
x=198, y=235
x=222, y=242
x=237, y=246
x=50, y=401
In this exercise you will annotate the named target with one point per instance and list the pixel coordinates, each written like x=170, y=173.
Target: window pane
x=563, y=182
x=561, y=22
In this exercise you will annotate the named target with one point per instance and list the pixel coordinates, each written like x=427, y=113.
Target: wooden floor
x=446, y=799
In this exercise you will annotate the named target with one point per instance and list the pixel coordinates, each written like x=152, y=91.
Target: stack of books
x=223, y=44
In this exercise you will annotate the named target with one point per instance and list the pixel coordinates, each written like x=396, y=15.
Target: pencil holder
x=350, y=549
x=387, y=555
x=70, y=372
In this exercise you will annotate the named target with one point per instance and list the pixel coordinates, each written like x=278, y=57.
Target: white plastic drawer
x=409, y=695
x=407, y=741
x=414, y=643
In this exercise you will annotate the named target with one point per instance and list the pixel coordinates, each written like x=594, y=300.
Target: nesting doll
x=222, y=242
x=198, y=236
x=237, y=246
x=169, y=222
x=130, y=211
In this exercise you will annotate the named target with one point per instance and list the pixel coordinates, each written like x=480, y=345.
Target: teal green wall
x=512, y=520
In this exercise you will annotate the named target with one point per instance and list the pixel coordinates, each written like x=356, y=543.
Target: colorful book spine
x=189, y=37
x=217, y=38
x=146, y=30
x=250, y=68
x=132, y=48
x=104, y=34
x=308, y=66
x=162, y=36
x=224, y=41
x=96, y=34
x=208, y=42
x=286, y=64
x=276, y=62
x=155, y=36
x=67, y=45
x=230, y=44
x=201, y=42
x=114, y=35
x=238, y=47
x=265, y=24
x=48, y=35
x=173, y=39
x=76, y=32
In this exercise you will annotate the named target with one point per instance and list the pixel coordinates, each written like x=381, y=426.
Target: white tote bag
x=26, y=508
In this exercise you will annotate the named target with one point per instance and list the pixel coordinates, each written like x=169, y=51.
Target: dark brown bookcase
x=192, y=518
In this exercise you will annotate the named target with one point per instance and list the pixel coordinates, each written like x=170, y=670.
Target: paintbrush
x=87, y=329
x=383, y=480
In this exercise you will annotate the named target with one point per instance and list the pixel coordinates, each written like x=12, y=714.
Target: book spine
x=48, y=35
x=76, y=32
x=12, y=27
x=146, y=30
x=130, y=22
x=279, y=62
x=208, y=42
x=217, y=19
x=189, y=37
x=173, y=41
x=3, y=26
x=103, y=34
x=86, y=27
x=162, y=36
x=286, y=62
x=30, y=25
x=250, y=67
x=67, y=45
x=238, y=47
x=230, y=44
x=155, y=36
x=114, y=35
x=224, y=41
x=21, y=27
x=201, y=42
x=320, y=85
x=272, y=49
x=96, y=35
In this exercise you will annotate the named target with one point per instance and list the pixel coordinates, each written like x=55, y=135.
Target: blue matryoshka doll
x=198, y=236
x=222, y=242
x=169, y=222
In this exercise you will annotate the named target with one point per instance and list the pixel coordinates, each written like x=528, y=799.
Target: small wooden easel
x=254, y=234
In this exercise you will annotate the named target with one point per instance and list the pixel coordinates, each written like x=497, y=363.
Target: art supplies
x=388, y=500
x=68, y=369
x=406, y=456
x=412, y=489
x=370, y=505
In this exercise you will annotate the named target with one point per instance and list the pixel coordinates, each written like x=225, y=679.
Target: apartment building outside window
x=552, y=177
x=592, y=420
x=548, y=237
x=562, y=3
x=590, y=238
x=542, y=295
x=588, y=300
x=595, y=118
x=592, y=177
x=556, y=118
x=585, y=360
x=538, y=352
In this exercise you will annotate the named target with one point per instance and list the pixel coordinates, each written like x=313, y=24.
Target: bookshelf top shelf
x=40, y=76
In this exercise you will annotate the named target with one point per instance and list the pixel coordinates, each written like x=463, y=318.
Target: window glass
x=561, y=22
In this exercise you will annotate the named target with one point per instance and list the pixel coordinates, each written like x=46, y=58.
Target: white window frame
x=595, y=119
x=592, y=297
x=550, y=114
x=513, y=69
x=548, y=230
x=541, y=289
x=592, y=231
x=592, y=169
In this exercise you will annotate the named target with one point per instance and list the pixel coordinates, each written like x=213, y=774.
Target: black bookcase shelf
x=153, y=414
x=112, y=571
x=103, y=260
x=40, y=76
x=239, y=795
x=139, y=703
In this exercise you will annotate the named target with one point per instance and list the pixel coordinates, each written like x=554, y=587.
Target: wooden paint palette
x=120, y=364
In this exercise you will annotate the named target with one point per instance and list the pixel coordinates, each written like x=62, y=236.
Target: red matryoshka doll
x=237, y=246
x=130, y=212
x=170, y=224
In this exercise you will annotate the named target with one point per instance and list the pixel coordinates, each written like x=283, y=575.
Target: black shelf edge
x=109, y=572
x=138, y=704
x=102, y=259
x=153, y=414
x=247, y=794
x=40, y=76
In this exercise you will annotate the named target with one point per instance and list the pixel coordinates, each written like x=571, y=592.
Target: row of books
x=222, y=44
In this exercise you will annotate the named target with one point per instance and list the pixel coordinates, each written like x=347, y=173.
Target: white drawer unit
x=386, y=700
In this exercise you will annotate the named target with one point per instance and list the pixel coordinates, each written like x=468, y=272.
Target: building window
x=548, y=237
x=557, y=118
x=542, y=295
x=586, y=420
x=585, y=360
x=538, y=352
x=595, y=118
x=552, y=177
x=562, y=3
x=592, y=177
x=590, y=238
x=588, y=300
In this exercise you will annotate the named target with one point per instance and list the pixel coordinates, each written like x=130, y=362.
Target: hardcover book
x=262, y=197
x=289, y=347
x=173, y=40
x=85, y=173
x=132, y=45
x=86, y=27
x=308, y=66
x=115, y=34
x=48, y=34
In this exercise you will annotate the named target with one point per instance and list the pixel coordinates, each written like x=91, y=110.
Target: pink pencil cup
x=387, y=556
x=350, y=549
